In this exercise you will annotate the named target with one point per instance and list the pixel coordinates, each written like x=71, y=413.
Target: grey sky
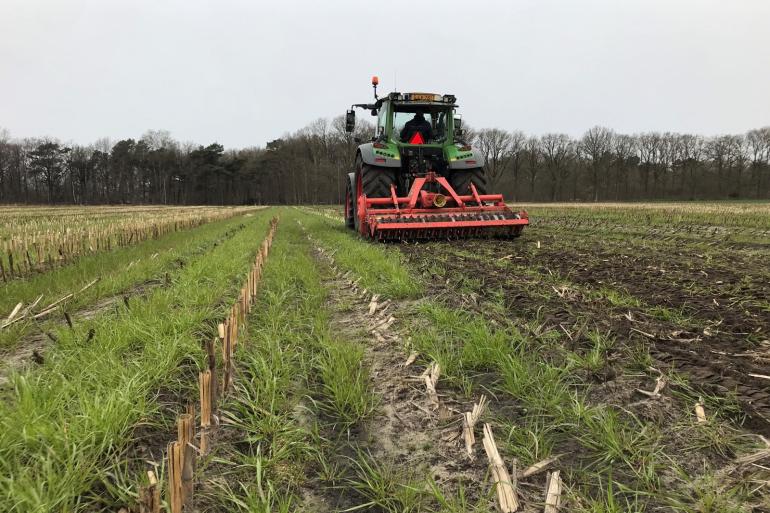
x=244, y=72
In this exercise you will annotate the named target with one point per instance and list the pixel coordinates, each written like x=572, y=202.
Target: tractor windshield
x=436, y=118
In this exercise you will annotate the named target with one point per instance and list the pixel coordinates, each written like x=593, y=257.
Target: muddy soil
x=730, y=289
x=718, y=345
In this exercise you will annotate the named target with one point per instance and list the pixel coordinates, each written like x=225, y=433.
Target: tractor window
x=437, y=120
x=401, y=118
x=441, y=125
x=381, y=121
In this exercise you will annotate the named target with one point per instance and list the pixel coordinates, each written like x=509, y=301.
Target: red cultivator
x=433, y=215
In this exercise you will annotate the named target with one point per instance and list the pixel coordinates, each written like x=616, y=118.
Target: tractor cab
x=397, y=112
x=400, y=112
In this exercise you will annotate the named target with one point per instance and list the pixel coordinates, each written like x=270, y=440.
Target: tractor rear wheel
x=377, y=180
x=372, y=182
x=462, y=179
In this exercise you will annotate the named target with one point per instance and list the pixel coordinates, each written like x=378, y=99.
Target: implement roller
x=418, y=178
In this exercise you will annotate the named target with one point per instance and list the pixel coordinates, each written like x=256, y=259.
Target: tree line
x=308, y=166
x=603, y=165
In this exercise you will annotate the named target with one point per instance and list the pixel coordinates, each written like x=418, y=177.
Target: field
x=616, y=354
x=38, y=238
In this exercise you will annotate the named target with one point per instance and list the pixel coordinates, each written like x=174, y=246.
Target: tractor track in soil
x=719, y=361
x=404, y=431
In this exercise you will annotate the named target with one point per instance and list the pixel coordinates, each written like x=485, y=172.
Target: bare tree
x=5, y=136
x=719, y=151
x=738, y=158
x=158, y=139
x=758, y=146
x=624, y=149
x=470, y=134
x=516, y=150
x=766, y=136
x=688, y=154
x=596, y=143
x=557, y=150
x=649, y=150
x=495, y=146
x=80, y=173
x=316, y=138
x=665, y=158
x=532, y=161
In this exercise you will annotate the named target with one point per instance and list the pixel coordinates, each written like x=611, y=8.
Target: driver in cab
x=418, y=124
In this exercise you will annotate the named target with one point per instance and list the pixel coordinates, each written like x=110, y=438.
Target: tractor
x=418, y=178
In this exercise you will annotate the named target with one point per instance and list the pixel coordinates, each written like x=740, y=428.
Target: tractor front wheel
x=462, y=179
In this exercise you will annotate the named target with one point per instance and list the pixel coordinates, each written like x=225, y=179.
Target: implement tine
x=442, y=225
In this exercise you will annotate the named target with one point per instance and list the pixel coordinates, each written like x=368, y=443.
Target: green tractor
x=418, y=178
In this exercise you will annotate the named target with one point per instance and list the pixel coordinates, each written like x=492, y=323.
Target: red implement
x=433, y=215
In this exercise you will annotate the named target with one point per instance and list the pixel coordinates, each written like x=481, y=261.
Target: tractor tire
x=372, y=182
x=376, y=181
x=462, y=179
x=350, y=204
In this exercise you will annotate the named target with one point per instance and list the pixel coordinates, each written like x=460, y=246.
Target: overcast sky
x=244, y=72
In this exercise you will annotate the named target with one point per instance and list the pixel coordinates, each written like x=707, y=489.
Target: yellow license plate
x=422, y=97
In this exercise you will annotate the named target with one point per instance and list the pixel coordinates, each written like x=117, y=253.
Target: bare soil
x=718, y=335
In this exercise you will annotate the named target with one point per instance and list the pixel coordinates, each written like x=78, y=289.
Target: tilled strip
x=700, y=359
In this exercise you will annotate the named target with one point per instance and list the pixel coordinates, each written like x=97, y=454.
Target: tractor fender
x=467, y=159
x=379, y=158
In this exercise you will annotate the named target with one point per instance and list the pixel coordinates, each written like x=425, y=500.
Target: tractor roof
x=423, y=98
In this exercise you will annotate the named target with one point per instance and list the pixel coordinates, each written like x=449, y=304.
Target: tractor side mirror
x=350, y=121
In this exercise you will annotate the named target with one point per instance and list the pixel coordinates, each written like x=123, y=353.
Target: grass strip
x=64, y=421
x=296, y=378
x=380, y=268
x=115, y=269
